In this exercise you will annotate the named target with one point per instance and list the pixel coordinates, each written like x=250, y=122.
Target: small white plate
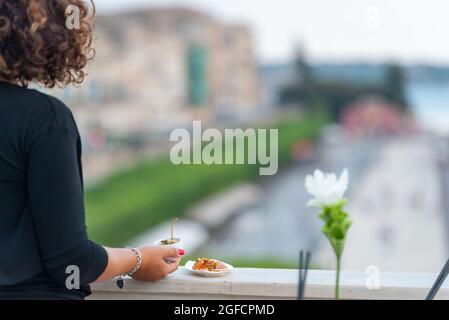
x=207, y=273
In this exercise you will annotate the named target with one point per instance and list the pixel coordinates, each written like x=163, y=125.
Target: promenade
x=399, y=222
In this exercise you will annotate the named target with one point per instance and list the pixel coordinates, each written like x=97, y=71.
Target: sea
x=430, y=103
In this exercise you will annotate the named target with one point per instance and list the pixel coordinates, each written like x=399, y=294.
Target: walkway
x=397, y=212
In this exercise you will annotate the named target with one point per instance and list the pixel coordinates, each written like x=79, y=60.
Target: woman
x=43, y=237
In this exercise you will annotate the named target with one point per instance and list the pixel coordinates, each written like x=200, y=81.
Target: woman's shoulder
x=26, y=115
x=54, y=110
x=35, y=113
x=40, y=112
x=31, y=102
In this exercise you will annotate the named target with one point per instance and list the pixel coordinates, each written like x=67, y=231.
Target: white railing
x=272, y=284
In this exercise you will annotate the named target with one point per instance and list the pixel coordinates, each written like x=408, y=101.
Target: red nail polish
x=181, y=252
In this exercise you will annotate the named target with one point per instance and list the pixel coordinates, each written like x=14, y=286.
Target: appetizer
x=171, y=240
x=208, y=264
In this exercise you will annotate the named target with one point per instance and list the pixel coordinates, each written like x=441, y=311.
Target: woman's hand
x=153, y=266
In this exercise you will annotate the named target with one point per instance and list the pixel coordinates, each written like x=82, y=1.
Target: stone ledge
x=245, y=283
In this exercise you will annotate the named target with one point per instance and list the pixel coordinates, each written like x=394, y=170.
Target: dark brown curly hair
x=37, y=45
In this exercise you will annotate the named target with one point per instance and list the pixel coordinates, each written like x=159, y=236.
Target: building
x=157, y=69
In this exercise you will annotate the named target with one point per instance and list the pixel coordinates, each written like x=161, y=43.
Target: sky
x=407, y=31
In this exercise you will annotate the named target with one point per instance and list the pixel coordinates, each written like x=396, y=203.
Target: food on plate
x=208, y=264
x=206, y=267
x=169, y=242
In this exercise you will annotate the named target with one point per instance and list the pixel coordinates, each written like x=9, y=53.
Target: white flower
x=326, y=189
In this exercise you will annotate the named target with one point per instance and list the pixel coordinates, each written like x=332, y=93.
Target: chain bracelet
x=120, y=281
x=138, y=264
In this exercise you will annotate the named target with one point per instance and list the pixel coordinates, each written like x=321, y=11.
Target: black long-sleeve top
x=42, y=220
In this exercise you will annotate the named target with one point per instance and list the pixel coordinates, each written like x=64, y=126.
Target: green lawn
x=131, y=201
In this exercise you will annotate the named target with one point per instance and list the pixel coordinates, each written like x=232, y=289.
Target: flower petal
x=344, y=181
x=312, y=186
x=314, y=203
x=327, y=188
x=319, y=176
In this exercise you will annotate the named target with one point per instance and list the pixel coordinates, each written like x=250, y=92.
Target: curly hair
x=36, y=45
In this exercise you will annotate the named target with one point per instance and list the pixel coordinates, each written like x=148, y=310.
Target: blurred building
x=157, y=69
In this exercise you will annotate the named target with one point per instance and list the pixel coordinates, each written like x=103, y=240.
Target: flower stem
x=337, y=281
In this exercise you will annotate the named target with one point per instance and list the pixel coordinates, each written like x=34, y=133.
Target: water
x=430, y=102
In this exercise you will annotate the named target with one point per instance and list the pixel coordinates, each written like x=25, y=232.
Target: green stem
x=337, y=281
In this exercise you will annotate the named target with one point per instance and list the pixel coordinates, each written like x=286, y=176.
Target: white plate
x=207, y=273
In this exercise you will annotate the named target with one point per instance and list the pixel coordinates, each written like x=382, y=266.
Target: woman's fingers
x=172, y=267
x=172, y=253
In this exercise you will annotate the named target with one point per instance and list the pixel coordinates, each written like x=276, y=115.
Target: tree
x=394, y=87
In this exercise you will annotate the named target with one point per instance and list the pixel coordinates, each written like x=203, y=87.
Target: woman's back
x=20, y=115
x=40, y=191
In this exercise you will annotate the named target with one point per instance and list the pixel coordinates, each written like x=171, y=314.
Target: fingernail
x=181, y=252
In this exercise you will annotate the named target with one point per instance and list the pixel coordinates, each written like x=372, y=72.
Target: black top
x=42, y=223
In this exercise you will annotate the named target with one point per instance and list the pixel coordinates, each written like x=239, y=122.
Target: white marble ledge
x=245, y=283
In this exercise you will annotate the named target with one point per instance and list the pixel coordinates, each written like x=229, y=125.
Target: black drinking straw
x=439, y=282
x=305, y=273
x=301, y=264
x=303, y=267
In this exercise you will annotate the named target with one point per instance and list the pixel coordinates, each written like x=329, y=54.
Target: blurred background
x=354, y=84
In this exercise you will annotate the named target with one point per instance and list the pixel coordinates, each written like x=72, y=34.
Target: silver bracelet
x=120, y=281
x=138, y=264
